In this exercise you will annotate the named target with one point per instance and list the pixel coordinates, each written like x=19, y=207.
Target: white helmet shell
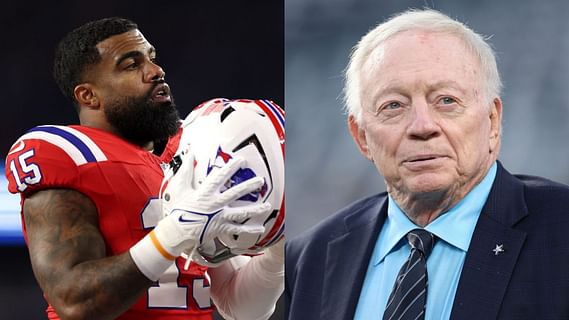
x=220, y=129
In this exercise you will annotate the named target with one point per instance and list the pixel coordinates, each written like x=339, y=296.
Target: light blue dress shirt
x=454, y=231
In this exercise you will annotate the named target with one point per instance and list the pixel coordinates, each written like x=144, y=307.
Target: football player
x=101, y=243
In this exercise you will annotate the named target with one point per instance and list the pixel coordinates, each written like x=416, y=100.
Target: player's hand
x=215, y=252
x=194, y=215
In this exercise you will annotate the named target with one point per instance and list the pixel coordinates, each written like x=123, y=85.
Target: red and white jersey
x=123, y=181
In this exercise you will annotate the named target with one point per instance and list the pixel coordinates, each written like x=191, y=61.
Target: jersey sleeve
x=48, y=157
x=248, y=288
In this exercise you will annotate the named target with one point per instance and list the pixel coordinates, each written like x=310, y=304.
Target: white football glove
x=197, y=215
x=193, y=216
x=213, y=253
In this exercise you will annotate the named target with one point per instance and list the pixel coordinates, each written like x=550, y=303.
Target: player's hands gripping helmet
x=221, y=129
x=196, y=214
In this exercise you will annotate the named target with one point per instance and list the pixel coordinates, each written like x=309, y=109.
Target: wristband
x=159, y=246
x=150, y=257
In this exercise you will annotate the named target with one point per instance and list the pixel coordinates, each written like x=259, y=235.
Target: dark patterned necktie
x=409, y=295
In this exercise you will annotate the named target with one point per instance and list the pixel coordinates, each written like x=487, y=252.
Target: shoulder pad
x=49, y=156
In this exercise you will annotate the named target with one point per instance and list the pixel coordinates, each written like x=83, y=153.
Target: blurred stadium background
x=231, y=49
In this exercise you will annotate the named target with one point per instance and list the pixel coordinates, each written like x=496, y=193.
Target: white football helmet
x=220, y=129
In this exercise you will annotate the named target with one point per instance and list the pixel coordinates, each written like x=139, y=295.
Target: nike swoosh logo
x=187, y=220
x=20, y=147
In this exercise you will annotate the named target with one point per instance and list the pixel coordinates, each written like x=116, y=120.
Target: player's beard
x=140, y=120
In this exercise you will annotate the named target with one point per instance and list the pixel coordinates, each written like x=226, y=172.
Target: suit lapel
x=347, y=259
x=487, y=269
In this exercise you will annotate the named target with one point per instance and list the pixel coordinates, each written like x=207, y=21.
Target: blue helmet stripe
x=270, y=105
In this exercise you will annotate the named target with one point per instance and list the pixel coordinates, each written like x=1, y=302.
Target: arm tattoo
x=69, y=261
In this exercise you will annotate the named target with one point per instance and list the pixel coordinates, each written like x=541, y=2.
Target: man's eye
x=389, y=108
x=447, y=100
x=392, y=105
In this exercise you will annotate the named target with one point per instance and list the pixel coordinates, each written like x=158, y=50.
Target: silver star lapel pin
x=499, y=249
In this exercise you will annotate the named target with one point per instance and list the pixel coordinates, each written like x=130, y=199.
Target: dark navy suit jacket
x=529, y=216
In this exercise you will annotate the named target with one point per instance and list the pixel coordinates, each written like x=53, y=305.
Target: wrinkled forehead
x=419, y=62
x=418, y=45
x=417, y=52
x=115, y=46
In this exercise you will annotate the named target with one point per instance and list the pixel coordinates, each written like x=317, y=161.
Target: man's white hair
x=370, y=47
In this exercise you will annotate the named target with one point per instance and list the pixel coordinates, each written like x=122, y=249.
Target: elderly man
x=456, y=235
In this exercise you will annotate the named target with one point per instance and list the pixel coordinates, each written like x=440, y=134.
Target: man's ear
x=359, y=136
x=86, y=96
x=495, y=124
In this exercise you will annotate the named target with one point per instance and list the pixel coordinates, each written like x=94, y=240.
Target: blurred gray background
x=325, y=171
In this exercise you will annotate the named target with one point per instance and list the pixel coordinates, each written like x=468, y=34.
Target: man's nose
x=422, y=125
x=154, y=73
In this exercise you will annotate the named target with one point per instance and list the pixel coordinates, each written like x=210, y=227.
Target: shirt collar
x=455, y=227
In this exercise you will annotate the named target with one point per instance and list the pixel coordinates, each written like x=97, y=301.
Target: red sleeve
x=32, y=165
